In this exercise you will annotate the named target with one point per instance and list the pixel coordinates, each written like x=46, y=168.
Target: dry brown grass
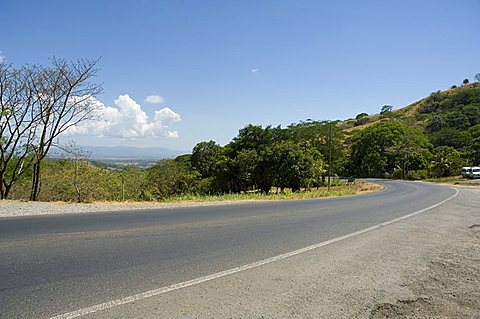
x=363, y=187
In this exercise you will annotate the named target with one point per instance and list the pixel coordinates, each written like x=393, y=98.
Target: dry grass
x=357, y=188
x=363, y=187
x=456, y=181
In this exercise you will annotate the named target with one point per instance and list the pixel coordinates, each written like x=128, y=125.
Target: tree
x=254, y=141
x=380, y=148
x=457, y=119
x=70, y=179
x=132, y=186
x=205, y=158
x=162, y=177
x=292, y=166
x=465, y=82
x=410, y=150
x=472, y=112
x=324, y=136
x=18, y=123
x=255, y=137
x=436, y=123
x=475, y=135
x=477, y=77
x=214, y=166
x=62, y=92
x=79, y=159
x=264, y=174
x=386, y=108
x=451, y=137
x=244, y=168
x=447, y=161
x=361, y=119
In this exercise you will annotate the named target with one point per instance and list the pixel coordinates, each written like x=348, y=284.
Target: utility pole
x=329, y=155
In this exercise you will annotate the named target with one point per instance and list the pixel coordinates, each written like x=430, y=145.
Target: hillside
x=419, y=113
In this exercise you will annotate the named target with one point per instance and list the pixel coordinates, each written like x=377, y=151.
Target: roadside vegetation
x=432, y=138
x=448, y=179
x=455, y=180
x=67, y=181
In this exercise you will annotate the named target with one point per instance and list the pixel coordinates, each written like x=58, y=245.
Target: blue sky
x=220, y=65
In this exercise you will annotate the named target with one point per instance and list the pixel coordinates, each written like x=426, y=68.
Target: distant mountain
x=129, y=153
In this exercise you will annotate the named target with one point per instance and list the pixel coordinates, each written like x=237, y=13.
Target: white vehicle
x=466, y=172
x=474, y=172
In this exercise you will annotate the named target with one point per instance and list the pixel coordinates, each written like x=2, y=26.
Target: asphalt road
x=50, y=265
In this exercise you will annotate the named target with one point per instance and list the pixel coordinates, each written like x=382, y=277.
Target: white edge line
x=162, y=290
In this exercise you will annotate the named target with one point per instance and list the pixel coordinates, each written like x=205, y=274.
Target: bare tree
x=63, y=91
x=78, y=157
x=18, y=121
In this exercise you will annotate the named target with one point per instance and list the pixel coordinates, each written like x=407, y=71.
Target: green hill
x=463, y=99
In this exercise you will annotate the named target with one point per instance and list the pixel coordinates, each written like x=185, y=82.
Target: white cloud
x=254, y=70
x=154, y=99
x=127, y=120
x=172, y=134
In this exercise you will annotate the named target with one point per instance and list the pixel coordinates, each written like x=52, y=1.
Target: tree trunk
x=2, y=191
x=4, y=186
x=6, y=191
x=35, y=182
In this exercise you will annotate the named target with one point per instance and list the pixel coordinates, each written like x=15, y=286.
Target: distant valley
x=127, y=155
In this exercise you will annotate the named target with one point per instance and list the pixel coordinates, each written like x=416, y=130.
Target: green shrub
x=397, y=174
x=417, y=175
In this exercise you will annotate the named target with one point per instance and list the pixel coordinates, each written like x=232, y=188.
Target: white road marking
x=162, y=290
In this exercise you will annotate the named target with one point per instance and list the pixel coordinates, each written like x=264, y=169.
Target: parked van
x=474, y=172
x=466, y=172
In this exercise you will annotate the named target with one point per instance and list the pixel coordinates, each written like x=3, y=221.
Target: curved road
x=50, y=265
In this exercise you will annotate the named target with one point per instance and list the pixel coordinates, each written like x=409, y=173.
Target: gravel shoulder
x=426, y=266
x=19, y=208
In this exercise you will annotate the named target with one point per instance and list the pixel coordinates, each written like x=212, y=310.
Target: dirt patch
x=416, y=308
x=449, y=288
